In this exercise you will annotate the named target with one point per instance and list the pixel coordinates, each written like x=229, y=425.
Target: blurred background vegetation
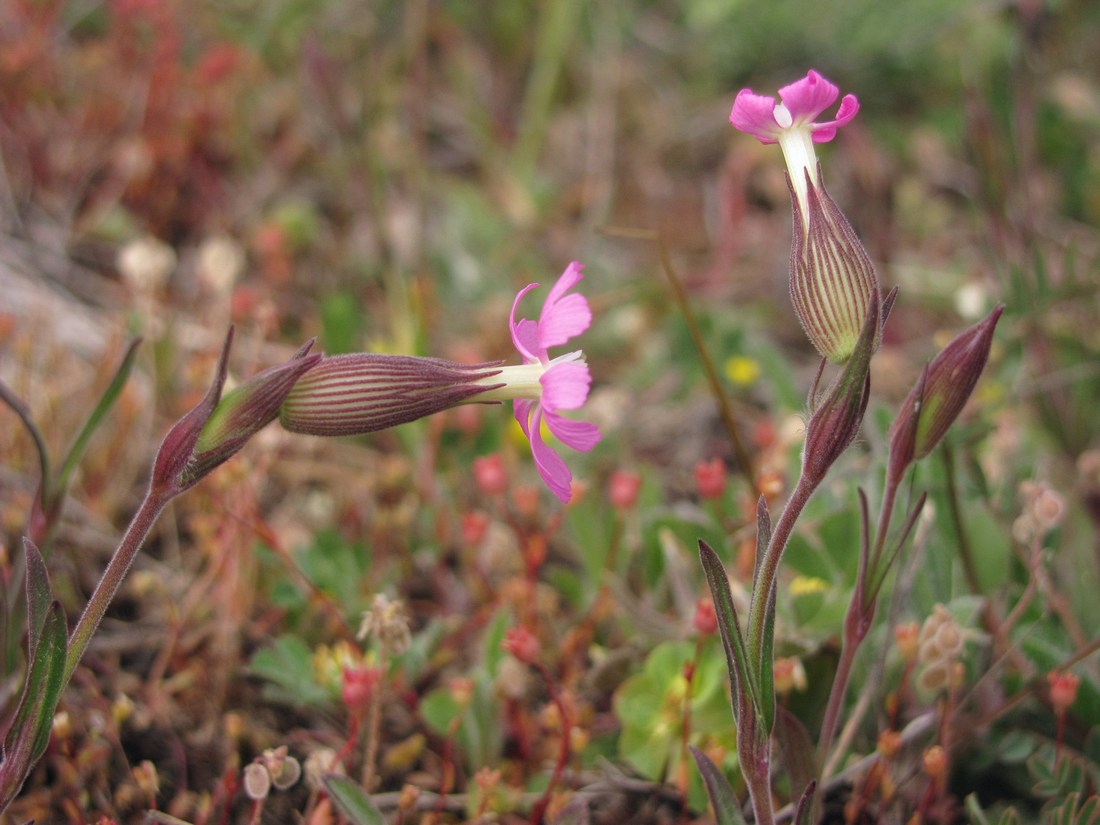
x=384, y=176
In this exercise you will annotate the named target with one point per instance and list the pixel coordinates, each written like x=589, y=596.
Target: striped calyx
x=833, y=282
x=364, y=392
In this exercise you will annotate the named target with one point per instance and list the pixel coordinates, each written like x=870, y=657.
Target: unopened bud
x=710, y=479
x=521, y=643
x=623, y=489
x=217, y=427
x=940, y=395
x=837, y=419
x=1063, y=689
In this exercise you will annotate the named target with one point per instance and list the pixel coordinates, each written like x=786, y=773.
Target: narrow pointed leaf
x=50, y=657
x=804, y=813
x=796, y=749
x=733, y=643
x=765, y=667
x=727, y=810
x=29, y=733
x=353, y=800
x=106, y=401
x=907, y=528
x=39, y=595
x=763, y=536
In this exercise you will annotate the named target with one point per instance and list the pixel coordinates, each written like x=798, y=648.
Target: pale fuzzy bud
x=146, y=263
x=388, y=623
x=789, y=674
x=319, y=763
x=220, y=263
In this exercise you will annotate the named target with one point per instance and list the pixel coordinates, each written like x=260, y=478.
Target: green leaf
x=797, y=751
x=39, y=595
x=733, y=643
x=352, y=800
x=106, y=401
x=29, y=733
x=440, y=710
x=288, y=668
x=727, y=810
x=804, y=813
x=975, y=812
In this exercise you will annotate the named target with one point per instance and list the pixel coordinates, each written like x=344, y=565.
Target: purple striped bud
x=939, y=395
x=218, y=427
x=246, y=410
x=364, y=392
x=833, y=282
x=835, y=422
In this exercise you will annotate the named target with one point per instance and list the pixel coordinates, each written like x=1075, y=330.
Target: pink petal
x=580, y=435
x=565, y=386
x=520, y=336
x=549, y=464
x=525, y=335
x=572, y=276
x=755, y=114
x=522, y=412
x=805, y=99
x=566, y=319
x=826, y=131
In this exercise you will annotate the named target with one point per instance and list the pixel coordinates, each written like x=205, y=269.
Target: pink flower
x=564, y=381
x=802, y=101
x=832, y=278
x=791, y=124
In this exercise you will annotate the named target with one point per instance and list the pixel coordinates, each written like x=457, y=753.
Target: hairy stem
x=140, y=525
x=769, y=565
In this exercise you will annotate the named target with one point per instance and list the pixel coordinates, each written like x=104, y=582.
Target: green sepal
x=727, y=810
x=353, y=800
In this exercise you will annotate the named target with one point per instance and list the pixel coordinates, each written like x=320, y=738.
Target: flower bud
x=246, y=410
x=364, y=392
x=833, y=282
x=710, y=479
x=624, y=488
x=837, y=419
x=940, y=395
x=218, y=427
x=521, y=643
x=1063, y=689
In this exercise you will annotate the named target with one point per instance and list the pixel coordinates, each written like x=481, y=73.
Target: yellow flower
x=742, y=370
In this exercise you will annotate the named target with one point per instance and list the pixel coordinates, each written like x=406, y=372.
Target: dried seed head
x=256, y=781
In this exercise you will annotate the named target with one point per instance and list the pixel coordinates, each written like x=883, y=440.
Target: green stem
x=857, y=623
x=966, y=553
x=769, y=565
x=144, y=519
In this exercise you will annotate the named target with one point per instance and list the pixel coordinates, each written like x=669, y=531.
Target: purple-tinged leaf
x=727, y=810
